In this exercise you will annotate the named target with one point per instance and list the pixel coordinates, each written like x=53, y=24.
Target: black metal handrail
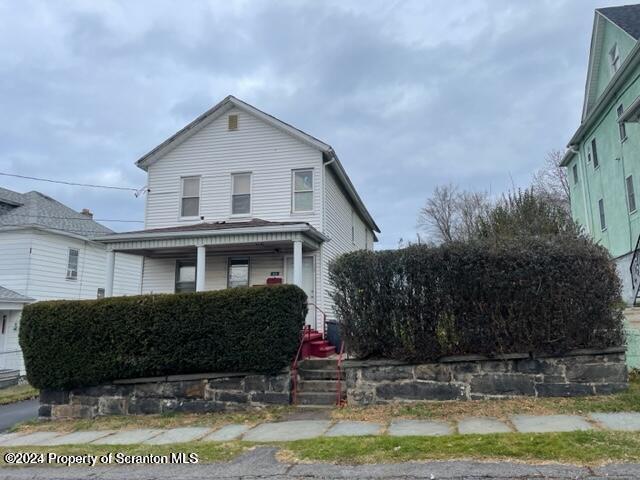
x=634, y=269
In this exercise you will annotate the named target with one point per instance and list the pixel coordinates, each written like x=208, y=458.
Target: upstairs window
x=240, y=193
x=72, y=264
x=185, y=276
x=238, y=272
x=302, y=190
x=631, y=194
x=603, y=220
x=190, y=205
x=622, y=129
x=575, y=174
x=614, y=58
x=594, y=154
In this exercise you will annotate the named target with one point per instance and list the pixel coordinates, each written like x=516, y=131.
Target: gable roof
x=37, y=209
x=7, y=295
x=627, y=17
x=230, y=102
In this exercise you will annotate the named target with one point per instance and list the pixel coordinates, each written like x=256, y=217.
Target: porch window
x=190, y=206
x=72, y=264
x=240, y=193
x=185, y=276
x=238, y=272
x=302, y=190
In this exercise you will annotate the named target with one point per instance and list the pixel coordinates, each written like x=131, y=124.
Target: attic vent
x=233, y=122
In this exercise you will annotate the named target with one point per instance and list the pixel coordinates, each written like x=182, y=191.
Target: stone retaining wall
x=586, y=372
x=178, y=393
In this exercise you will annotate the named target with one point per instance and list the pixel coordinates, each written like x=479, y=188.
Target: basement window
x=72, y=264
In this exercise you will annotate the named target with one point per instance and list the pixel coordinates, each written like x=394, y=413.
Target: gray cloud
x=411, y=94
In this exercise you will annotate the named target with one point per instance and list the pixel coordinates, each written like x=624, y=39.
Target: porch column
x=201, y=265
x=297, y=263
x=111, y=267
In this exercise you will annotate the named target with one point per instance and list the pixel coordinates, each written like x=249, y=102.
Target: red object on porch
x=313, y=345
x=274, y=280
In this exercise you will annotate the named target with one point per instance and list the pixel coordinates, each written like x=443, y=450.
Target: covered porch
x=214, y=256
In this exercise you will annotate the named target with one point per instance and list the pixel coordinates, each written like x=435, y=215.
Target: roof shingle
x=35, y=208
x=627, y=17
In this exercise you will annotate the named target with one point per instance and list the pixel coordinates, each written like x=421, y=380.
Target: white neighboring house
x=237, y=197
x=46, y=253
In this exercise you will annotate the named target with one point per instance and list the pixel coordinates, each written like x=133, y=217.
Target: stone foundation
x=585, y=372
x=178, y=393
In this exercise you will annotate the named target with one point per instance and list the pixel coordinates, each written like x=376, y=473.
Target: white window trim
x=241, y=215
x=77, y=250
x=293, y=191
x=190, y=217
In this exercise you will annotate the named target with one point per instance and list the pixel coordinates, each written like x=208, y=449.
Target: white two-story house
x=47, y=253
x=240, y=198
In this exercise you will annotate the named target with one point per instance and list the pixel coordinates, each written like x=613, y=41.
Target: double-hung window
x=302, y=191
x=603, y=220
x=622, y=129
x=241, y=193
x=574, y=169
x=72, y=264
x=594, y=154
x=631, y=194
x=190, y=201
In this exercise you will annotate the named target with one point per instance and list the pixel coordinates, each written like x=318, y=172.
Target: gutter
x=632, y=60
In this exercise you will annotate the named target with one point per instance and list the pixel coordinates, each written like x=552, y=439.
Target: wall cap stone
x=188, y=377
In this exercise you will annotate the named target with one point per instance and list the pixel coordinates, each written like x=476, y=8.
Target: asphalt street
x=17, y=412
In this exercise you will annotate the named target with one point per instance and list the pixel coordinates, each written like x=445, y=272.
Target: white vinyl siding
x=339, y=220
x=214, y=153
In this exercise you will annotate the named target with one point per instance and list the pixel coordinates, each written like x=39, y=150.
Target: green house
x=603, y=156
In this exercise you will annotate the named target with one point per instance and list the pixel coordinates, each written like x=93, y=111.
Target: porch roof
x=255, y=231
x=9, y=296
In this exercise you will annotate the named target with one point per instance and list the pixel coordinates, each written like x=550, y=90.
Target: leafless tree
x=450, y=214
x=438, y=216
x=552, y=181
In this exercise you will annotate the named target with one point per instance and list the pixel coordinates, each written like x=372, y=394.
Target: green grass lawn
x=581, y=448
x=17, y=393
x=208, y=452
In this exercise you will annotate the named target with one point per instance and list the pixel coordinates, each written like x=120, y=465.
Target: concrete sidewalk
x=306, y=429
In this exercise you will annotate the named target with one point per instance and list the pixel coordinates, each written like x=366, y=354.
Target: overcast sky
x=410, y=94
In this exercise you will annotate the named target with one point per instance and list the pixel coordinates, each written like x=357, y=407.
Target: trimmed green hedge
x=69, y=344
x=516, y=296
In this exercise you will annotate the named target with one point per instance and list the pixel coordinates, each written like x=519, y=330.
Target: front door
x=308, y=283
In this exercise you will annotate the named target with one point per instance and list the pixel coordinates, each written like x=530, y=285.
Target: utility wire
x=136, y=191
